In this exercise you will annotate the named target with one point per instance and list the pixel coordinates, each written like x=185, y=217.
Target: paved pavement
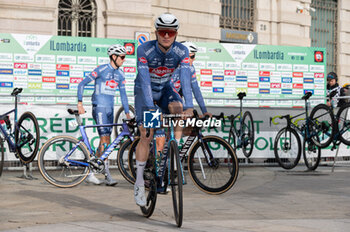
x=263, y=199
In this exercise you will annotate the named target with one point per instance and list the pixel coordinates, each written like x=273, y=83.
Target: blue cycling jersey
x=107, y=79
x=155, y=69
x=194, y=86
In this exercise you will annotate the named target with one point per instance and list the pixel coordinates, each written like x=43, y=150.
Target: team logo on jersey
x=186, y=60
x=94, y=74
x=143, y=60
x=112, y=84
x=161, y=71
x=177, y=84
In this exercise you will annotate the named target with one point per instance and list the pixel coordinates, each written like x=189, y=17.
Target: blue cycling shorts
x=103, y=115
x=163, y=98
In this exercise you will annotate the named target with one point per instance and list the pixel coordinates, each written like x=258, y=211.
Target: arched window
x=77, y=18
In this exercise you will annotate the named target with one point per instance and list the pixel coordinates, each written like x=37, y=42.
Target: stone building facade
x=276, y=22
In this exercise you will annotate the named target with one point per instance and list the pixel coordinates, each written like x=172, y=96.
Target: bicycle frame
x=85, y=141
x=233, y=130
x=7, y=136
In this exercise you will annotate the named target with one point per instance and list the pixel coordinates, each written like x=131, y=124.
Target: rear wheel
x=343, y=117
x=218, y=174
x=248, y=134
x=176, y=182
x=58, y=171
x=27, y=137
x=287, y=148
x=312, y=155
x=322, y=125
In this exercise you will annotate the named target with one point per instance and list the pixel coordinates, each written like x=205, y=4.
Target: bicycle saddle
x=307, y=96
x=16, y=91
x=241, y=95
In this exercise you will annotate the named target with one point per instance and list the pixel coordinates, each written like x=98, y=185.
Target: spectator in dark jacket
x=333, y=89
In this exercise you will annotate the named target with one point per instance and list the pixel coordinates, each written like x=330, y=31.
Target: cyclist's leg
x=171, y=102
x=104, y=115
x=142, y=150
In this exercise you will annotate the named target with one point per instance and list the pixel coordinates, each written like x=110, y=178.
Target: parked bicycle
x=243, y=137
x=211, y=161
x=65, y=161
x=22, y=136
x=341, y=126
x=287, y=145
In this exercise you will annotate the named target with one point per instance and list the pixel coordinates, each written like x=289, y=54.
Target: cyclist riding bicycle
x=156, y=62
x=107, y=78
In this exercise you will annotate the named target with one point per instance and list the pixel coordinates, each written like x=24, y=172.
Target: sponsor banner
x=284, y=67
x=264, y=85
x=231, y=65
x=6, y=65
x=199, y=64
x=49, y=79
x=20, y=85
x=66, y=59
x=6, y=57
x=23, y=58
x=253, y=79
x=287, y=85
x=218, y=72
x=76, y=73
x=69, y=59
x=48, y=67
x=20, y=72
x=34, y=66
x=298, y=80
x=264, y=79
x=20, y=78
x=6, y=78
x=34, y=79
x=45, y=59
x=270, y=67
x=250, y=66
x=300, y=68
x=48, y=73
x=86, y=60
x=20, y=65
x=35, y=72
x=275, y=79
x=76, y=67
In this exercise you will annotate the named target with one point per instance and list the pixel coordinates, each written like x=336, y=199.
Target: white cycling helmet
x=192, y=48
x=166, y=20
x=116, y=49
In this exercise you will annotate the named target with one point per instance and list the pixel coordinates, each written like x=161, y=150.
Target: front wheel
x=321, y=126
x=213, y=165
x=120, y=115
x=1, y=155
x=57, y=170
x=343, y=117
x=27, y=137
x=176, y=182
x=248, y=134
x=312, y=155
x=287, y=148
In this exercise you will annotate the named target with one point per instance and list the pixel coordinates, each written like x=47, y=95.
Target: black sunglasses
x=122, y=57
x=193, y=56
